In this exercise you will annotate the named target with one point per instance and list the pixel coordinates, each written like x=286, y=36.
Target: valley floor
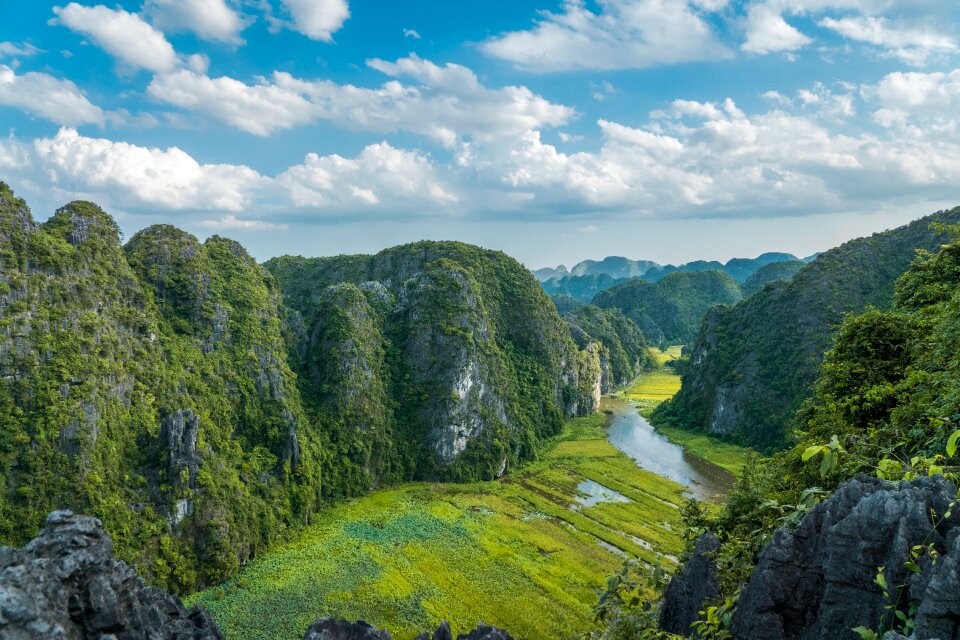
x=525, y=553
x=656, y=386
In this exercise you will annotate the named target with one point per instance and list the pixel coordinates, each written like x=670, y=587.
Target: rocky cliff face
x=67, y=585
x=467, y=364
x=620, y=346
x=819, y=581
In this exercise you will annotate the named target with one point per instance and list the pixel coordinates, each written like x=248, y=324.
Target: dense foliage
x=471, y=365
x=580, y=288
x=773, y=272
x=669, y=311
x=753, y=364
x=624, y=352
x=165, y=388
x=886, y=402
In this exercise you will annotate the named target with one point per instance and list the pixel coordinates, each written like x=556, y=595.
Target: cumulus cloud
x=411, y=33
x=42, y=95
x=210, y=20
x=126, y=36
x=381, y=174
x=445, y=103
x=381, y=180
x=913, y=45
x=317, y=19
x=625, y=34
x=768, y=32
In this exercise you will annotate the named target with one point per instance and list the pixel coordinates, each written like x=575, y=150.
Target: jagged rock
x=818, y=582
x=696, y=584
x=179, y=430
x=67, y=585
x=336, y=629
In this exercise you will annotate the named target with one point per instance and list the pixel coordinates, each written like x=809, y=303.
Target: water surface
x=631, y=433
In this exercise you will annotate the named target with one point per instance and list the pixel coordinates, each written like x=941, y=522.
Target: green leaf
x=866, y=634
x=812, y=451
x=952, y=443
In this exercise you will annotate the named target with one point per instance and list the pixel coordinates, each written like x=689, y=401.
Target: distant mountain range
x=590, y=277
x=620, y=268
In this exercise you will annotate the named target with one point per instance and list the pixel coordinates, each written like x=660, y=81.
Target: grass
x=511, y=553
x=653, y=387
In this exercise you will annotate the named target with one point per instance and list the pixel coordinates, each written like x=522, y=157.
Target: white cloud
x=123, y=35
x=590, y=228
x=446, y=103
x=209, y=19
x=381, y=174
x=381, y=180
x=626, y=34
x=134, y=175
x=42, y=95
x=233, y=223
x=24, y=49
x=317, y=19
x=768, y=32
x=913, y=45
x=411, y=33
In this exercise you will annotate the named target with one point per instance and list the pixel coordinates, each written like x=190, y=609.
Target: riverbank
x=528, y=553
x=653, y=387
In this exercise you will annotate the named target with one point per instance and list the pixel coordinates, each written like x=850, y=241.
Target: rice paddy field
x=528, y=553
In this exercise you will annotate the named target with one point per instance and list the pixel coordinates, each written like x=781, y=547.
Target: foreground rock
x=66, y=584
x=695, y=586
x=335, y=629
x=817, y=583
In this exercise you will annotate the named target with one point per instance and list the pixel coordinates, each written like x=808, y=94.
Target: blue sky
x=554, y=130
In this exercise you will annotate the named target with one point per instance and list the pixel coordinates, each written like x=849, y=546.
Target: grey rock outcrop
x=817, y=582
x=336, y=629
x=689, y=590
x=67, y=585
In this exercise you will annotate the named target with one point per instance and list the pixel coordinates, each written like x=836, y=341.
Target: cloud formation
x=211, y=20
x=445, y=103
x=317, y=19
x=126, y=36
x=626, y=34
x=42, y=95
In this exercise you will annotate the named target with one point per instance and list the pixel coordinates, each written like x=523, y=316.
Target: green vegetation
x=511, y=552
x=886, y=402
x=165, y=388
x=405, y=349
x=756, y=362
x=580, y=288
x=623, y=349
x=773, y=272
x=670, y=310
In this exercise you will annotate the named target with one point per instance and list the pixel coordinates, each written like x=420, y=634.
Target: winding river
x=631, y=433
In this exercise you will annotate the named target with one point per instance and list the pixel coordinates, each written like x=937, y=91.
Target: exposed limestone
x=690, y=590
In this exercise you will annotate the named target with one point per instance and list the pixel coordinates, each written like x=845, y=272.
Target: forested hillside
x=773, y=272
x=753, y=364
x=885, y=403
x=165, y=388
x=670, y=310
x=624, y=353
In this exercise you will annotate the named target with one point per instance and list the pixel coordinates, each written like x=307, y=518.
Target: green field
x=511, y=553
x=653, y=387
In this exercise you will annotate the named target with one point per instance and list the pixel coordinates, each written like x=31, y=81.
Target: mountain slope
x=623, y=348
x=753, y=364
x=477, y=366
x=772, y=272
x=671, y=309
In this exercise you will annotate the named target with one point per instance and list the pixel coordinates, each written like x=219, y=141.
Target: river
x=631, y=433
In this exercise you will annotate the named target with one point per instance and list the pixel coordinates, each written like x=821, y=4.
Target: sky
x=555, y=130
